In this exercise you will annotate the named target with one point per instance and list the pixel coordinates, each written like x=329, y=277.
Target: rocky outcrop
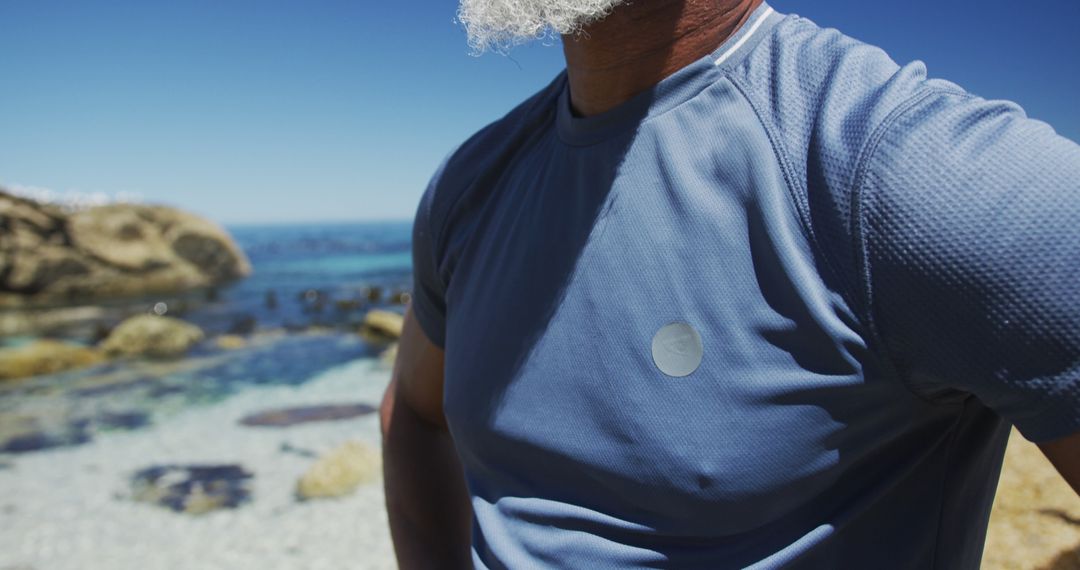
x=44, y=357
x=153, y=336
x=49, y=256
x=340, y=472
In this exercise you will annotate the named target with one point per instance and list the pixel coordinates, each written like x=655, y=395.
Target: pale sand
x=1035, y=524
x=67, y=508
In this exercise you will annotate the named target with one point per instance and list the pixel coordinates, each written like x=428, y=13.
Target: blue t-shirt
x=779, y=310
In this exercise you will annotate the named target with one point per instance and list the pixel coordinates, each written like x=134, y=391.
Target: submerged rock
x=340, y=471
x=286, y=417
x=45, y=357
x=25, y=434
x=287, y=447
x=74, y=433
x=384, y=323
x=38, y=441
x=153, y=336
x=54, y=256
x=230, y=342
x=243, y=325
x=372, y=294
x=348, y=305
x=193, y=489
x=122, y=420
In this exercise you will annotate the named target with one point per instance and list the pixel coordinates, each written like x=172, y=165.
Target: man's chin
x=498, y=25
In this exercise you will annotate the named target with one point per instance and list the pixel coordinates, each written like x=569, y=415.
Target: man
x=732, y=291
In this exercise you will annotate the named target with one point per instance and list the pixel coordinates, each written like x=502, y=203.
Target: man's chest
x=660, y=346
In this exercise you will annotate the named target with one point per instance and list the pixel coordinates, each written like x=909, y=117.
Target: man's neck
x=642, y=42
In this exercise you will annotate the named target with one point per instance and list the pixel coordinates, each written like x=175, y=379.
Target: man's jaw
x=499, y=25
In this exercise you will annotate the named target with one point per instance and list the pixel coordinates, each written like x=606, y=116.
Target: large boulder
x=120, y=236
x=44, y=357
x=49, y=256
x=340, y=472
x=152, y=336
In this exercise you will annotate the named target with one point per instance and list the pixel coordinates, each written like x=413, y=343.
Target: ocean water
x=338, y=262
x=299, y=311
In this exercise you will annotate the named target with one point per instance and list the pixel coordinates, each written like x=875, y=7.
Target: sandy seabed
x=70, y=508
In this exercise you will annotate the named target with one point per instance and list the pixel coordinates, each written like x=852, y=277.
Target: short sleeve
x=968, y=225
x=429, y=289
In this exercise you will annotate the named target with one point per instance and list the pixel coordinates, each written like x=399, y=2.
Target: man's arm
x=426, y=497
x=1064, y=453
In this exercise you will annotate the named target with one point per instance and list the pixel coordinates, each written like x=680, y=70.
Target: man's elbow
x=1064, y=453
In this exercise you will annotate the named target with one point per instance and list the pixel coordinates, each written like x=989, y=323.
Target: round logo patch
x=677, y=349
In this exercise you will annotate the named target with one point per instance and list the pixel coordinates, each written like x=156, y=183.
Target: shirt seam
x=799, y=199
x=860, y=255
x=722, y=71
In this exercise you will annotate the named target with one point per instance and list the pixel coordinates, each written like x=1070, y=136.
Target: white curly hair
x=501, y=24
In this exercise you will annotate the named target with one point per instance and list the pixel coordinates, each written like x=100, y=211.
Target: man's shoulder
x=492, y=146
x=805, y=77
x=825, y=98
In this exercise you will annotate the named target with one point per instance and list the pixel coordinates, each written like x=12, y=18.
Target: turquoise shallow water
x=370, y=263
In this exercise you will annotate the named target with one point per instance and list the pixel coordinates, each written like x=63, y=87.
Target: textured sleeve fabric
x=429, y=288
x=968, y=221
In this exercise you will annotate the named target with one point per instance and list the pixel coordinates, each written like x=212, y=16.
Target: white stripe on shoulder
x=749, y=33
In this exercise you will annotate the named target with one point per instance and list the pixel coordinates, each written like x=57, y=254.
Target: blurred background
x=205, y=213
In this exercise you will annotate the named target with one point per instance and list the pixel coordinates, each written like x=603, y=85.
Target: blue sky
x=275, y=111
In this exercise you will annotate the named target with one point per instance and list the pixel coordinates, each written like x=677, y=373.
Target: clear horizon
x=257, y=113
